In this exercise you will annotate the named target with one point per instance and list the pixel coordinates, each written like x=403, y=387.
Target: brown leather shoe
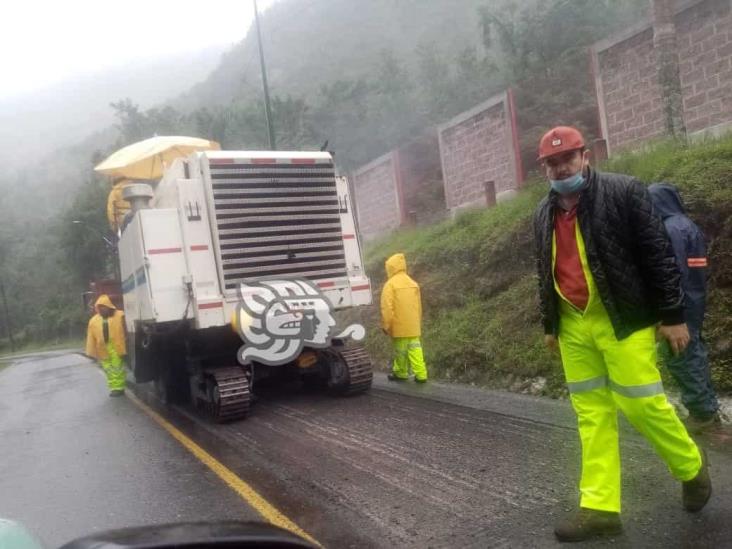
x=588, y=523
x=701, y=424
x=697, y=491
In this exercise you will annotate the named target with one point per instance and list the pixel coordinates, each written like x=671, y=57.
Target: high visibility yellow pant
x=114, y=368
x=604, y=374
x=408, y=352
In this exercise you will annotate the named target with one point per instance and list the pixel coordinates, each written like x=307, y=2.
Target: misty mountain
x=309, y=43
x=67, y=113
x=366, y=76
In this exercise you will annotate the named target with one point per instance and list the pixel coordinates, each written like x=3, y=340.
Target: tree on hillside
x=6, y=251
x=436, y=82
x=391, y=105
x=544, y=45
x=131, y=123
x=86, y=254
x=211, y=124
x=340, y=116
x=366, y=117
x=477, y=78
x=293, y=124
x=41, y=291
x=135, y=125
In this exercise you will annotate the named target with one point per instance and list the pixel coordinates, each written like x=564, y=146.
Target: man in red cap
x=608, y=282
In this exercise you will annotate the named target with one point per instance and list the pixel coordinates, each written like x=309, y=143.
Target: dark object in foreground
x=392, y=377
x=588, y=523
x=698, y=425
x=697, y=491
x=194, y=535
x=690, y=368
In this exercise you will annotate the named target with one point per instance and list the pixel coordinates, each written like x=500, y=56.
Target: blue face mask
x=570, y=185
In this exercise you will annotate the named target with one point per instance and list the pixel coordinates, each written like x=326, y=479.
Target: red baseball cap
x=559, y=140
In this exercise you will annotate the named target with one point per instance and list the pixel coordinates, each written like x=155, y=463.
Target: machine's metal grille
x=277, y=220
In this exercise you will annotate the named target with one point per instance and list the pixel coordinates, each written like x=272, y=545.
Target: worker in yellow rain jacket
x=117, y=207
x=608, y=285
x=401, y=319
x=105, y=342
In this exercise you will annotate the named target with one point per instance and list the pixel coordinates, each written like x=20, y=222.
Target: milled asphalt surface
x=438, y=465
x=74, y=461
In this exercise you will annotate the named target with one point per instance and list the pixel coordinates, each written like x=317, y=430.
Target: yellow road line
x=246, y=492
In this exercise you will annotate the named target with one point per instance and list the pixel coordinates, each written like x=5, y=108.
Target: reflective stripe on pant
x=604, y=374
x=114, y=367
x=408, y=352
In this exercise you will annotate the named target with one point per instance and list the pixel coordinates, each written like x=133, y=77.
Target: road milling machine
x=220, y=223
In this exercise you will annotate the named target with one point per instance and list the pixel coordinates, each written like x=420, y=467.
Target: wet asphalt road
x=404, y=466
x=74, y=461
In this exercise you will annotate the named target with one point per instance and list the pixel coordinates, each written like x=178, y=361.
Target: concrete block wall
x=474, y=148
x=421, y=171
x=626, y=75
x=378, y=196
x=705, y=55
x=478, y=146
x=392, y=187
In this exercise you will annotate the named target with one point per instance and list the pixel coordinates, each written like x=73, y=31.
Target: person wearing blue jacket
x=690, y=368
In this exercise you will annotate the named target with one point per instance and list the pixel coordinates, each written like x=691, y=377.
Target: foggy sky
x=43, y=42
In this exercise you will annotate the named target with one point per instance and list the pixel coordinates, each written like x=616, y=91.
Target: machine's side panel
x=126, y=265
x=164, y=267
x=199, y=251
x=204, y=170
x=137, y=297
x=359, y=282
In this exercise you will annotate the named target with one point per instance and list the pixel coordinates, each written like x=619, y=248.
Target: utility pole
x=267, y=108
x=667, y=57
x=8, y=327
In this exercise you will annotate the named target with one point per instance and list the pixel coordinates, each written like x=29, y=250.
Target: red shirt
x=568, y=267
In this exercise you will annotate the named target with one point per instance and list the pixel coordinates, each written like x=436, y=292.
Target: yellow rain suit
x=117, y=207
x=105, y=341
x=401, y=319
x=605, y=374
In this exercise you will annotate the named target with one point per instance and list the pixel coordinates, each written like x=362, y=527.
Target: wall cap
x=497, y=99
x=642, y=26
x=388, y=157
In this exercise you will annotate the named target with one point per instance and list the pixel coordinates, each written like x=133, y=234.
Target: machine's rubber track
x=360, y=371
x=230, y=396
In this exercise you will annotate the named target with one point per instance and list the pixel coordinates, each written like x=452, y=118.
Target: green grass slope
x=481, y=319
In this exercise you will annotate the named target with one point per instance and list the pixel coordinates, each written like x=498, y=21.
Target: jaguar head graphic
x=277, y=318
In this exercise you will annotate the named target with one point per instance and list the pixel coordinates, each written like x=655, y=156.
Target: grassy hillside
x=479, y=289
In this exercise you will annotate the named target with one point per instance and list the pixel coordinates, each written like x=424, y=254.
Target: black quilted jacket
x=629, y=254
